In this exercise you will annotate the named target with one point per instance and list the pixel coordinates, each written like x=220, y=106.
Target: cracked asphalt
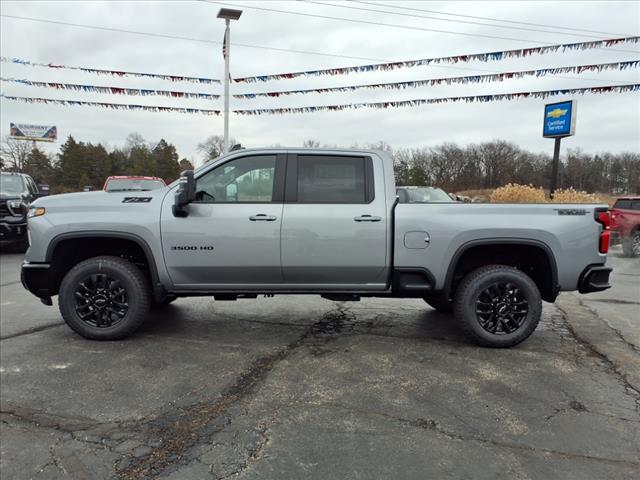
x=301, y=387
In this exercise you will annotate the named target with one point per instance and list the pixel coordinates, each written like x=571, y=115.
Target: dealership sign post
x=34, y=133
x=559, y=122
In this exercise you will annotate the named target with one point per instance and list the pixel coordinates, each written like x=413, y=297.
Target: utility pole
x=228, y=15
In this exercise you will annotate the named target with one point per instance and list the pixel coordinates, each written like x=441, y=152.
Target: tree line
x=489, y=165
x=485, y=165
x=79, y=164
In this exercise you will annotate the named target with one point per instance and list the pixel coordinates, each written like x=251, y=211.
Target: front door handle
x=261, y=217
x=367, y=218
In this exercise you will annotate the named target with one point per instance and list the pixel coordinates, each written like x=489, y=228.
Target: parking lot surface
x=301, y=387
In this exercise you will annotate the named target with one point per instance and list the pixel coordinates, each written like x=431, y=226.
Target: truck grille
x=4, y=210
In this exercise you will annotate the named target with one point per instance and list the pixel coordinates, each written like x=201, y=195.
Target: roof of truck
x=132, y=177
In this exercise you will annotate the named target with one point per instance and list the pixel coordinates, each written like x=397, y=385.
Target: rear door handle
x=261, y=217
x=367, y=218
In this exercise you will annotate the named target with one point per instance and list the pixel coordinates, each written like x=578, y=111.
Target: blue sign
x=559, y=119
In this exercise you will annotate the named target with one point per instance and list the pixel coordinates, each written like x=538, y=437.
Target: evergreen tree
x=143, y=163
x=166, y=161
x=38, y=165
x=72, y=165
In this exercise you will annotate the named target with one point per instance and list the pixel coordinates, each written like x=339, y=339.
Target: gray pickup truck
x=308, y=221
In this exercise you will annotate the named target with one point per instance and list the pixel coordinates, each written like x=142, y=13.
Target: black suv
x=17, y=191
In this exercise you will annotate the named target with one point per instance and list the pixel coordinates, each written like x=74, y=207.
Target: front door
x=231, y=236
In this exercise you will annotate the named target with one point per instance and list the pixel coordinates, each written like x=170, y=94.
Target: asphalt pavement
x=301, y=387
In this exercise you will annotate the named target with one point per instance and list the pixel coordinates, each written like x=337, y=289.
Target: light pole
x=228, y=14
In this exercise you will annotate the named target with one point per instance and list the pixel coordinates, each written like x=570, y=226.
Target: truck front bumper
x=36, y=278
x=12, y=232
x=594, y=278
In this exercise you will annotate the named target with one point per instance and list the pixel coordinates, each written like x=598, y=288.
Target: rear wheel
x=631, y=245
x=104, y=298
x=498, y=306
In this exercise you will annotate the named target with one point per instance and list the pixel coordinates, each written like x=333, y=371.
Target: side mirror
x=185, y=195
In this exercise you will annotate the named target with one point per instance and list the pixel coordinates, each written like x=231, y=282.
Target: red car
x=126, y=183
x=625, y=224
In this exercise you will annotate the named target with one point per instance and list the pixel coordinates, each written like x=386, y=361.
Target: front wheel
x=498, y=306
x=631, y=245
x=104, y=298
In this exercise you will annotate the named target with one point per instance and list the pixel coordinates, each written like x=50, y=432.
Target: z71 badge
x=136, y=199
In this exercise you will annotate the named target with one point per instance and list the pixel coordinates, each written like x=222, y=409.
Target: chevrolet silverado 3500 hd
x=308, y=221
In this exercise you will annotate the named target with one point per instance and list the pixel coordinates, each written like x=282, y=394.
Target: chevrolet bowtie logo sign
x=557, y=113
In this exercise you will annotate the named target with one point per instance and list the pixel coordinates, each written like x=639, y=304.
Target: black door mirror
x=185, y=195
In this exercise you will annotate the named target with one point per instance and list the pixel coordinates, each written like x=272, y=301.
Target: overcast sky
x=605, y=122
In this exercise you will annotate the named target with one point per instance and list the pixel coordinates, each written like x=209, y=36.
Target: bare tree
x=14, y=154
x=213, y=147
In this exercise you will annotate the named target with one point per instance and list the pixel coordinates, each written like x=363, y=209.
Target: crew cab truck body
x=308, y=221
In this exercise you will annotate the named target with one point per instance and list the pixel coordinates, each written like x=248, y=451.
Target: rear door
x=231, y=236
x=334, y=227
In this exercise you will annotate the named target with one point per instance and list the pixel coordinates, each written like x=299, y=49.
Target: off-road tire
x=131, y=279
x=477, y=283
x=440, y=305
x=628, y=244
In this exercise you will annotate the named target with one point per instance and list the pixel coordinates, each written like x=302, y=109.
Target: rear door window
x=331, y=179
x=635, y=205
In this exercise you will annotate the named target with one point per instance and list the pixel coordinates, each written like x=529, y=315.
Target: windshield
x=426, y=195
x=624, y=204
x=130, y=184
x=11, y=185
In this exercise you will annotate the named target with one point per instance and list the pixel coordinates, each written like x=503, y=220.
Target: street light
x=228, y=14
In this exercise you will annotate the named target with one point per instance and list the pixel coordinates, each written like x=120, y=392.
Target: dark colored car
x=17, y=191
x=625, y=225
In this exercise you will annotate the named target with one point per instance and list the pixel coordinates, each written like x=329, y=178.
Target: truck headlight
x=36, y=212
x=17, y=207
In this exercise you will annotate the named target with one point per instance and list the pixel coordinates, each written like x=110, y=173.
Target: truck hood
x=9, y=196
x=100, y=199
x=101, y=202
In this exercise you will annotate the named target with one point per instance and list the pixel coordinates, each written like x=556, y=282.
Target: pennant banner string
x=351, y=106
x=113, y=106
x=115, y=73
x=492, y=77
x=481, y=57
x=112, y=90
x=430, y=101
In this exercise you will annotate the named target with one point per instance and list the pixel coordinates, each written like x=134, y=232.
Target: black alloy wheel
x=101, y=301
x=501, y=308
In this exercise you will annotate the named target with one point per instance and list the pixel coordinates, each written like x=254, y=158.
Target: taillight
x=603, y=217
